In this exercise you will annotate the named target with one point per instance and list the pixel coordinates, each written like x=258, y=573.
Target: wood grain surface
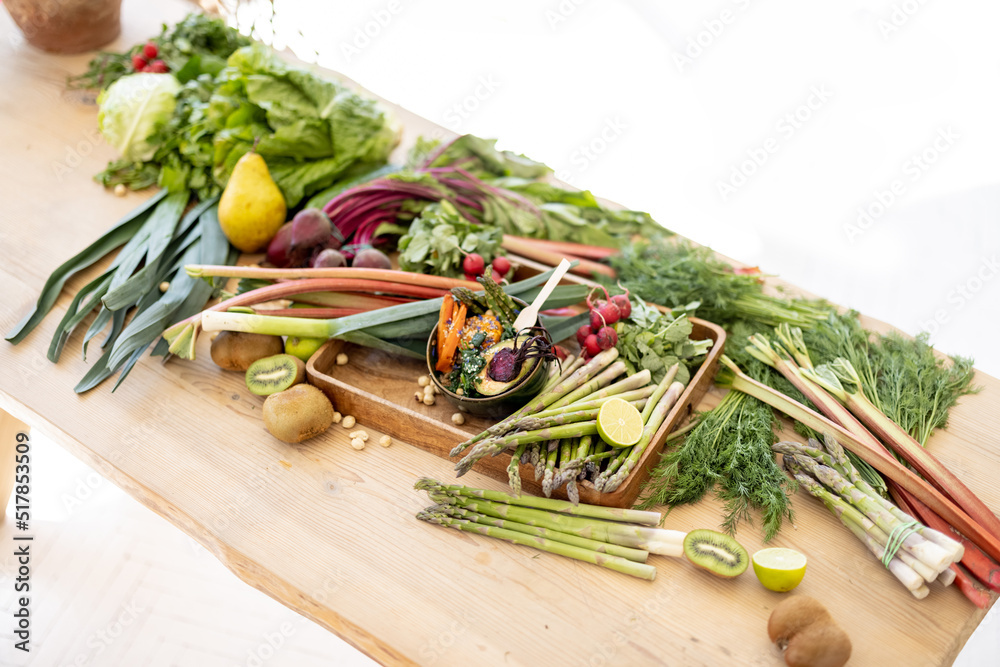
x=330, y=532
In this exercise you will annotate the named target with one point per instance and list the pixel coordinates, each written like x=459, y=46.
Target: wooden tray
x=377, y=388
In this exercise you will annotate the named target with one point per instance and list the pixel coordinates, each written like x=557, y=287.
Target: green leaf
x=126, y=287
x=119, y=233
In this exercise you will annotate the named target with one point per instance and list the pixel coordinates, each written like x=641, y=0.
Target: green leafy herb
x=654, y=341
x=198, y=44
x=673, y=274
x=904, y=377
x=438, y=241
x=730, y=447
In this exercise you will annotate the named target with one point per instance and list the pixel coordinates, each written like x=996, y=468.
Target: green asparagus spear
x=640, y=570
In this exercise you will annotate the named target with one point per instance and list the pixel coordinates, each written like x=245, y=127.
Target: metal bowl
x=494, y=407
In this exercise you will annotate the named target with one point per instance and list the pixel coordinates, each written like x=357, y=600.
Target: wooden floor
x=112, y=583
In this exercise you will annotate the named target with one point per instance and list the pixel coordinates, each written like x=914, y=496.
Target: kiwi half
x=273, y=374
x=716, y=552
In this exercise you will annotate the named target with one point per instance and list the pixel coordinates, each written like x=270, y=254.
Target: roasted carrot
x=446, y=357
x=447, y=308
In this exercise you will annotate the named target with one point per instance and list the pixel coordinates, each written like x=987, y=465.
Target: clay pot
x=66, y=26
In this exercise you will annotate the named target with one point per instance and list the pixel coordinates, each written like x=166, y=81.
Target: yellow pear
x=252, y=208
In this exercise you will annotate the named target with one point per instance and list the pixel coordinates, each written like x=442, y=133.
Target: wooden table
x=330, y=532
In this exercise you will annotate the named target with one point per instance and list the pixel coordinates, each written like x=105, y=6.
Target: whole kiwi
x=792, y=615
x=235, y=351
x=298, y=413
x=819, y=645
x=805, y=630
x=273, y=374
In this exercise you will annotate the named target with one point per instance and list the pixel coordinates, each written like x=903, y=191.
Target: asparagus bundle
x=557, y=431
x=617, y=539
x=915, y=554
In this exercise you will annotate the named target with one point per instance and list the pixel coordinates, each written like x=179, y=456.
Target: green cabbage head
x=133, y=108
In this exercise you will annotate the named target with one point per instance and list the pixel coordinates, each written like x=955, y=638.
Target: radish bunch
x=600, y=334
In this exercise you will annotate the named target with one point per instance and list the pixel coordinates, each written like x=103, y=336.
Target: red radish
x=469, y=276
x=159, y=67
x=592, y=346
x=497, y=278
x=138, y=62
x=607, y=338
x=561, y=353
x=623, y=303
x=474, y=264
x=582, y=333
x=501, y=265
x=150, y=51
x=602, y=311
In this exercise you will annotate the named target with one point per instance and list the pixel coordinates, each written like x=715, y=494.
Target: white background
x=682, y=95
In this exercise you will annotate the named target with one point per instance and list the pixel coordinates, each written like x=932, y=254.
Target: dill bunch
x=688, y=277
x=904, y=377
x=730, y=447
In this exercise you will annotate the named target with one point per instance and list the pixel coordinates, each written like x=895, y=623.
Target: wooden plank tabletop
x=330, y=532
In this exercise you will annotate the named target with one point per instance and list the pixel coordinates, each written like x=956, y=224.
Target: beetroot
x=607, y=338
x=473, y=264
x=592, y=346
x=504, y=366
x=623, y=303
x=582, y=333
x=310, y=227
x=329, y=259
x=279, y=248
x=370, y=258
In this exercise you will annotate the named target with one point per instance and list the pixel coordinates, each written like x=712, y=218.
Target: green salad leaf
x=655, y=341
x=440, y=238
x=309, y=130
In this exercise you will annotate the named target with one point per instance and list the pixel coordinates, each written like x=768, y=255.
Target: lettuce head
x=133, y=108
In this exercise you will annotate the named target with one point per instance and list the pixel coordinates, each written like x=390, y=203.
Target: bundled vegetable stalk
x=146, y=279
x=826, y=387
x=617, y=539
x=914, y=553
x=942, y=504
x=560, y=429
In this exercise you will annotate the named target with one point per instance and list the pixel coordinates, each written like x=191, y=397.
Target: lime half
x=619, y=423
x=779, y=569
